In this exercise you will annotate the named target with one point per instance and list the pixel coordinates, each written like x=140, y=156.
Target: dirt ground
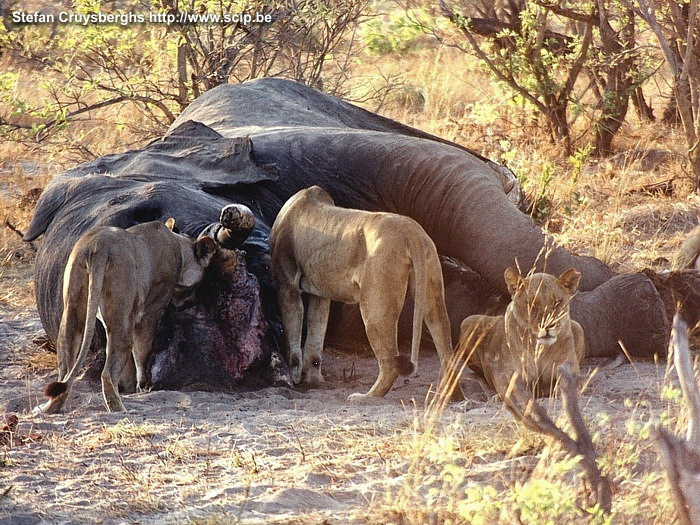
x=272, y=456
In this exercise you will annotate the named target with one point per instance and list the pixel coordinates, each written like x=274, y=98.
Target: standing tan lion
x=533, y=338
x=126, y=278
x=353, y=256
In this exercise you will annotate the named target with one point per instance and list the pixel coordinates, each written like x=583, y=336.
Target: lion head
x=540, y=305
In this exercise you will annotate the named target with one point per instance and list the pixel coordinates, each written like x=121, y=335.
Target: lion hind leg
x=388, y=372
x=127, y=381
x=381, y=325
x=293, y=319
x=317, y=322
x=70, y=338
x=144, y=334
x=117, y=354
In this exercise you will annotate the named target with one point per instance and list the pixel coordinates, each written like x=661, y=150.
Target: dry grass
x=472, y=470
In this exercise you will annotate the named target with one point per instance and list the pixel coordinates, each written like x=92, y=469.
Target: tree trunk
x=182, y=76
x=644, y=110
x=694, y=157
x=684, y=100
x=558, y=123
x=615, y=100
x=615, y=103
x=671, y=115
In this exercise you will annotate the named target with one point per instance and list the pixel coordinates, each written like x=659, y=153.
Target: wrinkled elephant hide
x=625, y=311
x=680, y=292
x=221, y=341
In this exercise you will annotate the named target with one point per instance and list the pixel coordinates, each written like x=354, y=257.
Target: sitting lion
x=353, y=256
x=533, y=338
x=126, y=278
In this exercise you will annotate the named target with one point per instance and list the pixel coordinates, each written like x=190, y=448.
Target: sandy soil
x=272, y=456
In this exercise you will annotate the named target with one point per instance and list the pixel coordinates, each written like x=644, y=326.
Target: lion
x=533, y=338
x=356, y=257
x=126, y=279
x=687, y=256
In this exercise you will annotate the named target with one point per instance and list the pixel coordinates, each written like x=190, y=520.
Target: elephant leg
x=293, y=319
x=316, y=324
x=237, y=223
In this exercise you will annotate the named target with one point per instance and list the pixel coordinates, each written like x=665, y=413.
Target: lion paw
x=357, y=397
x=39, y=409
x=115, y=405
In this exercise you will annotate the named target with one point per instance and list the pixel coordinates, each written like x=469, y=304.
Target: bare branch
x=647, y=12
x=682, y=457
x=686, y=375
x=508, y=79
x=560, y=10
x=520, y=401
x=579, y=62
x=85, y=109
x=682, y=468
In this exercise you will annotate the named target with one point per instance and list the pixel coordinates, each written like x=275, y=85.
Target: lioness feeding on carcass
x=533, y=338
x=353, y=256
x=126, y=278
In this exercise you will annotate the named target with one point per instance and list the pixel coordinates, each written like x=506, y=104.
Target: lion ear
x=569, y=280
x=170, y=223
x=204, y=250
x=513, y=280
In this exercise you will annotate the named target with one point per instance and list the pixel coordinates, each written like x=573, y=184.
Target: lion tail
x=420, y=289
x=97, y=264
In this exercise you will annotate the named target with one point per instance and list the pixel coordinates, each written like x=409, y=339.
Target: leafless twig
x=16, y=230
x=520, y=401
x=682, y=456
x=13, y=228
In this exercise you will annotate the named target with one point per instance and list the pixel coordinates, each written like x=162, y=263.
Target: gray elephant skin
x=257, y=144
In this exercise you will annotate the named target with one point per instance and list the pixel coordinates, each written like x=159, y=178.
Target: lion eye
x=316, y=363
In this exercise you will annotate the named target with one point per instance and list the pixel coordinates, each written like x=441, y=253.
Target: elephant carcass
x=260, y=142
